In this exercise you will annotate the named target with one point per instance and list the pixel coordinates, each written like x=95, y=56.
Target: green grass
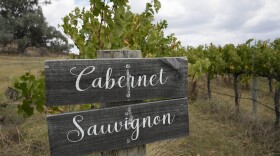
x=214, y=127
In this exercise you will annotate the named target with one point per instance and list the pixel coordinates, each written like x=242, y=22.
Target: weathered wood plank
x=132, y=125
x=84, y=81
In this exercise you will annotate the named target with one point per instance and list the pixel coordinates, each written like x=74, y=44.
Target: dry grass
x=19, y=136
x=214, y=128
x=14, y=66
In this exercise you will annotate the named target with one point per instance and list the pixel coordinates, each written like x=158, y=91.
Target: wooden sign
x=112, y=80
x=117, y=127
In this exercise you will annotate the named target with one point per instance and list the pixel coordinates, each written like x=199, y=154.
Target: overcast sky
x=197, y=22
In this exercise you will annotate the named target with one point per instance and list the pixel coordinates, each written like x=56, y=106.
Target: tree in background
x=6, y=35
x=23, y=21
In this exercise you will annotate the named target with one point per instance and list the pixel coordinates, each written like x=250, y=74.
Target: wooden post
x=270, y=84
x=209, y=86
x=254, y=93
x=236, y=93
x=276, y=103
x=132, y=151
x=255, y=89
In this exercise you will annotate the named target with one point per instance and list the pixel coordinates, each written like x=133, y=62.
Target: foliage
x=198, y=64
x=111, y=25
x=267, y=57
x=213, y=53
x=56, y=41
x=199, y=68
x=275, y=68
x=263, y=58
x=32, y=93
x=243, y=60
x=23, y=21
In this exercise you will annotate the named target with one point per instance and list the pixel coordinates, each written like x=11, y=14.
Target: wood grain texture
x=60, y=125
x=139, y=150
x=119, y=54
x=61, y=89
